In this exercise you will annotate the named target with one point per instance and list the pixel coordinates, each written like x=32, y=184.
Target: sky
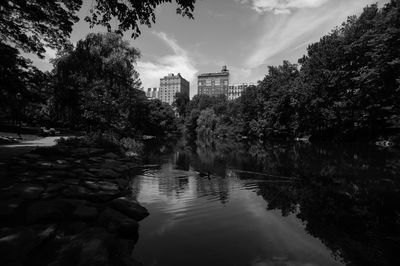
x=245, y=35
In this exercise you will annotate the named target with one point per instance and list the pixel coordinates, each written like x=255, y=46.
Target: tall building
x=235, y=91
x=152, y=93
x=170, y=85
x=213, y=84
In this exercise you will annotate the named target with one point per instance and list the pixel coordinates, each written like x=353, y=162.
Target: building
x=152, y=93
x=170, y=85
x=213, y=84
x=235, y=91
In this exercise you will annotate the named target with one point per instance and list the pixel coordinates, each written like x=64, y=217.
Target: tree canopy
x=33, y=25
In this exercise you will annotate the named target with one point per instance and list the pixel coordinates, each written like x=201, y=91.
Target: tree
x=33, y=25
x=181, y=101
x=96, y=82
x=24, y=89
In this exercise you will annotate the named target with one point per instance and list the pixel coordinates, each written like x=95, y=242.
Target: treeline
x=347, y=87
x=93, y=86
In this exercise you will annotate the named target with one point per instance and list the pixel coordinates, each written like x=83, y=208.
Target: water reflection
x=269, y=204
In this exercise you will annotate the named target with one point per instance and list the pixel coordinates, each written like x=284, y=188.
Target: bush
x=105, y=140
x=131, y=145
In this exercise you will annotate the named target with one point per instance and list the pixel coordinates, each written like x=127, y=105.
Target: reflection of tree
x=358, y=220
x=347, y=195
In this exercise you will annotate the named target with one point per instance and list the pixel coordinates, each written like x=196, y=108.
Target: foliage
x=347, y=87
x=24, y=89
x=33, y=25
x=96, y=82
x=106, y=140
x=181, y=100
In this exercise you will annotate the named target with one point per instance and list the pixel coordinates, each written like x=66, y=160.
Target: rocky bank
x=68, y=206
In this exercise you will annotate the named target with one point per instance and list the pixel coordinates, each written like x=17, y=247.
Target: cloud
x=179, y=62
x=283, y=37
x=282, y=6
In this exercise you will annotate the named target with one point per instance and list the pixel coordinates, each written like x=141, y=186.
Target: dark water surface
x=269, y=204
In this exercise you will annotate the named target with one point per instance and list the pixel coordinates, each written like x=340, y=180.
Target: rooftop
x=214, y=74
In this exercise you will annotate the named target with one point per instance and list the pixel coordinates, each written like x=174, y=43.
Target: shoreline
x=67, y=204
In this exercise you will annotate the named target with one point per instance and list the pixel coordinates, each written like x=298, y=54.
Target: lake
x=230, y=203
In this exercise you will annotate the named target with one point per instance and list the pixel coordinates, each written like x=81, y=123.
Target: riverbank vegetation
x=347, y=87
x=93, y=86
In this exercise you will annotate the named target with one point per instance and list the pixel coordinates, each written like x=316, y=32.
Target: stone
x=71, y=181
x=31, y=156
x=61, y=162
x=108, y=173
x=122, y=183
x=86, y=152
x=16, y=243
x=85, y=212
x=52, y=187
x=9, y=211
x=28, y=191
x=130, y=208
x=74, y=228
x=110, y=155
x=119, y=223
x=91, y=185
x=104, y=185
x=96, y=159
x=49, y=211
x=95, y=246
x=81, y=192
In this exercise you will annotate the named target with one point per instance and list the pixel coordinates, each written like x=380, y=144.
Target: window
x=208, y=82
x=217, y=82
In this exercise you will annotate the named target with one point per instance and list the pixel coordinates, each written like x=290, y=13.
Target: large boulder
x=17, y=243
x=119, y=223
x=130, y=208
x=92, y=247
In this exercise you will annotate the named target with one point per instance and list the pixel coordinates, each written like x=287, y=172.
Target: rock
x=17, y=243
x=9, y=211
x=27, y=191
x=45, y=164
x=91, y=185
x=49, y=211
x=71, y=181
x=131, y=154
x=74, y=228
x=81, y=192
x=108, y=173
x=122, y=183
x=96, y=159
x=119, y=223
x=94, y=246
x=130, y=208
x=61, y=162
x=104, y=185
x=110, y=155
x=54, y=187
x=86, y=152
x=74, y=191
x=31, y=156
x=85, y=212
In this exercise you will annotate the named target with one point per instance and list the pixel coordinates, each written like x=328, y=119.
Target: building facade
x=235, y=91
x=213, y=84
x=170, y=85
x=152, y=93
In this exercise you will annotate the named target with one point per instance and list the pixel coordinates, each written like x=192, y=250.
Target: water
x=269, y=204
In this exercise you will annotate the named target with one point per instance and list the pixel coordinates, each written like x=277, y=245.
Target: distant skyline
x=245, y=35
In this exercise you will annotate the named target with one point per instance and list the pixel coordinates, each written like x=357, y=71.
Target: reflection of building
x=235, y=91
x=213, y=84
x=152, y=93
x=170, y=85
